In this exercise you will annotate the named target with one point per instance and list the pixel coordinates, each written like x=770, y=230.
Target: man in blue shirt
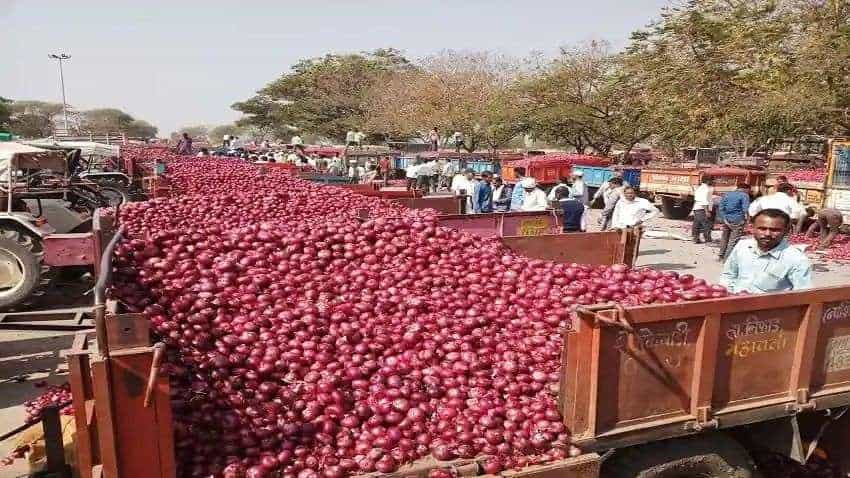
x=518, y=193
x=482, y=198
x=767, y=262
x=733, y=214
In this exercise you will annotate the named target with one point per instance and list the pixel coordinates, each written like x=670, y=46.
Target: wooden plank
x=737, y=304
x=574, y=393
x=804, y=353
x=79, y=377
x=135, y=423
x=705, y=365
x=162, y=409
x=105, y=419
x=593, y=395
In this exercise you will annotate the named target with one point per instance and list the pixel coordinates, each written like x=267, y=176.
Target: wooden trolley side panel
x=595, y=248
x=688, y=366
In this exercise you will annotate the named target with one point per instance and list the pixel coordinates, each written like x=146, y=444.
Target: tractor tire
x=114, y=191
x=21, y=269
x=712, y=455
x=673, y=208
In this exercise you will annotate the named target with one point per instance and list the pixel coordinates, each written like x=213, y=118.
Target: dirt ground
x=30, y=357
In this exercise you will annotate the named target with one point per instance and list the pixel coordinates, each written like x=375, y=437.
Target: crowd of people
x=765, y=262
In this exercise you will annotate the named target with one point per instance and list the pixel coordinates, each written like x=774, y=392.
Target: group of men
x=766, y=262
x=734, y=211
x=622, y=208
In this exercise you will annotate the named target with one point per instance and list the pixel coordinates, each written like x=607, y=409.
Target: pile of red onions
x=815, y=175
x=839, y=250
x=53, y=395
x=303, y=342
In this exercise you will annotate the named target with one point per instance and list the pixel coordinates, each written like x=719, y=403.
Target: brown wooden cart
x=773, y=368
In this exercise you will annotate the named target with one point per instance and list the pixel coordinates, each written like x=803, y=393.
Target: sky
x=180, y=63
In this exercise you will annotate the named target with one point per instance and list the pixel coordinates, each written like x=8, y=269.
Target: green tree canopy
x=105, y=120
x=323, y=96
x=5, y=112
x=583, y=99
x=216, y=134
x=141, y=129
x=33, y=119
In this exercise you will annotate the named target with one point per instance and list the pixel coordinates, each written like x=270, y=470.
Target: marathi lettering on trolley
x=748, y=337
x=837, y=354
x=836, y=312
x=534, y=227
x=648, y=338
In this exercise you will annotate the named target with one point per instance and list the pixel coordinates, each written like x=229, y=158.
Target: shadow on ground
x=23, y=363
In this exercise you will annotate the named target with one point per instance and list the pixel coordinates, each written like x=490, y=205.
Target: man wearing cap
x=578, y=189
x=784, y=199
x=534, y=199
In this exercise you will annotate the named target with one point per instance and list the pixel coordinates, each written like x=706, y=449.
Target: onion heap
x=303, y=342
x=53, y=395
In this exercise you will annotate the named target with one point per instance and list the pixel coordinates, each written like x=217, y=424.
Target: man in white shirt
x=464, y=184
x=534, y=198
x=423, y=176
x=555, y=191
x=458, y=140
x=447, y=173
x=632, y=211
x=579, y=190
x=606, y=187
x=611, y=196
x=411, y=173
x=702, y=210
x=784, y=200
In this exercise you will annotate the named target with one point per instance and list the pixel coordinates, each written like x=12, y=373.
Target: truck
x=675, y=186
x=659, y=390
x=834, y=190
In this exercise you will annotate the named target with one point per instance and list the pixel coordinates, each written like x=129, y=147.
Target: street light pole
x=59, y=58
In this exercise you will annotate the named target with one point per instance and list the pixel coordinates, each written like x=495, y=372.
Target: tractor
x=45, y=221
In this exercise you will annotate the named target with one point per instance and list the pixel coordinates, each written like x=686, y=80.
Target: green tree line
x=37, y=119
x=707, y=72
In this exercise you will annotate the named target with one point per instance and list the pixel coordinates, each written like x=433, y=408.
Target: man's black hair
x=520, y=171
x=707, y=180
x=616, y=180
x=774, y=214
x=785, y=188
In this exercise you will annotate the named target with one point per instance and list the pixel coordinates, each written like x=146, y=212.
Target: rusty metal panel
x=482, y=225
x=529, y=223
x=596, y=248
x=127, y=331
x=583, y=466
x=70, y=249
x=705, y=364
x=831, y=368
x=755, y=355
x=137, y=428
x=443, y=204
x=656, y=361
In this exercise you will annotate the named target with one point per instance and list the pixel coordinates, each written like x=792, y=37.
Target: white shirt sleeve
x=755, y=207
x=584, y=219
x=617, y=221
x=651, y=212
